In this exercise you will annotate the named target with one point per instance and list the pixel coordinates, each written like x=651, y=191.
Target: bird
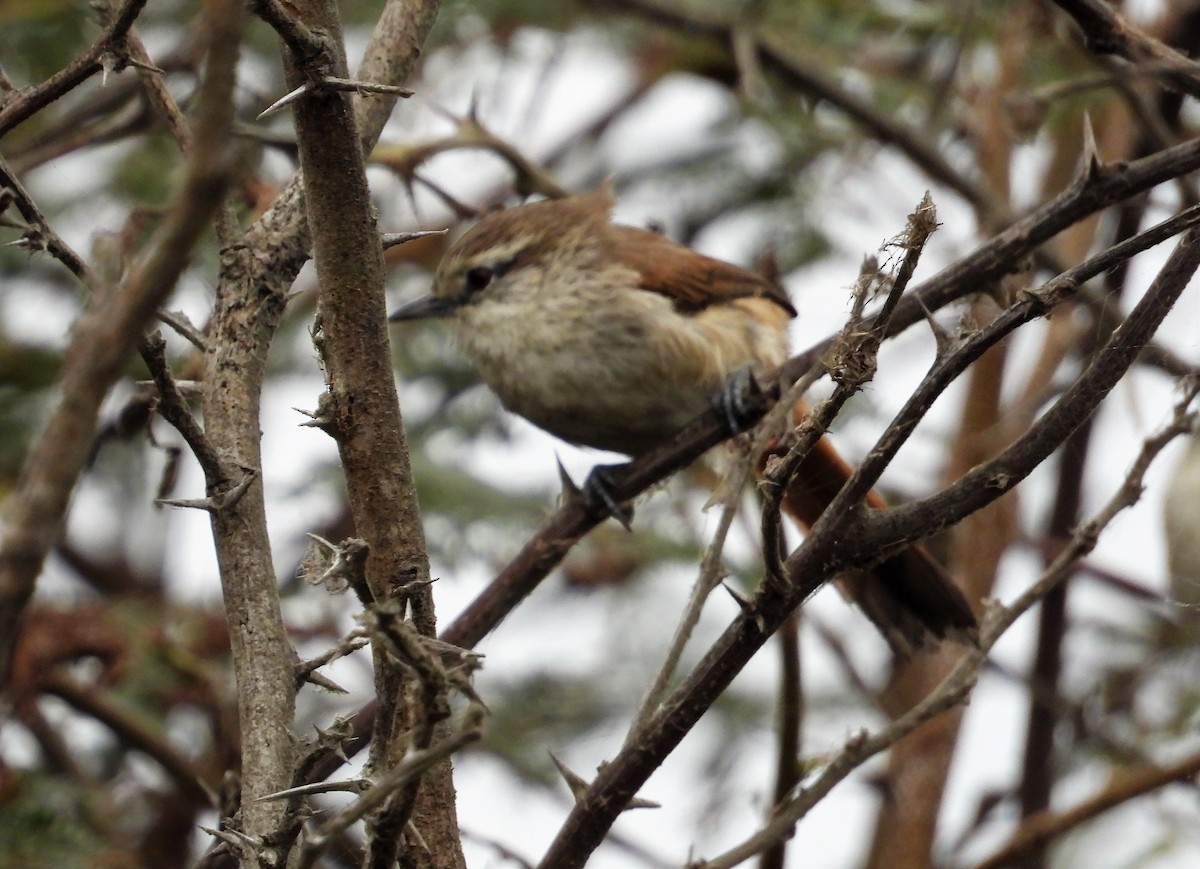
x=614, y=337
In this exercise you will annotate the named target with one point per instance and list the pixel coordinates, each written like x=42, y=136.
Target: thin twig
x=852, y=364
x=174, y=409
x=470, y=134
x=1126, y=785
x=708, y=577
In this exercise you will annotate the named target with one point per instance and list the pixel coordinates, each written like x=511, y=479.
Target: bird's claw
x=597, y=493
x=734, y=400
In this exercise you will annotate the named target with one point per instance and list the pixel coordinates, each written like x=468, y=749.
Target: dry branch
x=107, y=332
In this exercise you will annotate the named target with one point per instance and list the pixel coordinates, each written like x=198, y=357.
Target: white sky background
x=861, y=206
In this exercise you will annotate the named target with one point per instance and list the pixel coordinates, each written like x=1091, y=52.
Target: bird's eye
x=478, y=278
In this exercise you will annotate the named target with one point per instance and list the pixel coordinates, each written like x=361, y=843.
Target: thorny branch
x=825, y=550
x=1096, y=189
x=958, y=684
x=852, y=364
x=1109, y=32
x=256, y=275
x=396, y=789
x=350, y=336
x=1050, y=295
x=403, y=774
x=108, y=52
x=105, y=334
x=985, y=482
x=37, y=234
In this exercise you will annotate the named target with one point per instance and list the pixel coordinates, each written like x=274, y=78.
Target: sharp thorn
x=570, y=490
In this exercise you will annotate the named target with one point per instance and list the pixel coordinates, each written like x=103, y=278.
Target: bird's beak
x=423, y=308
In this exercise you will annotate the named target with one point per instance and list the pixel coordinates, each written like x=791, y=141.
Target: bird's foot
x=735, y=402
x=598, y=495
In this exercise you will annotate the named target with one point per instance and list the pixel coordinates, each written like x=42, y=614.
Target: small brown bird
x=614, y=337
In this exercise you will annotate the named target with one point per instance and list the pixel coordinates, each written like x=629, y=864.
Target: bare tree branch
x=107, y=332
x=837, y=542
x=107, y=52
x=1108, y=32
x=1126, y=785
x=958, y=684
x=362, y=402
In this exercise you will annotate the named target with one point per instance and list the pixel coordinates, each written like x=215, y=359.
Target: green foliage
x=25, y=374
x=145, y=173
x=40, y=36
x=44, y=824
